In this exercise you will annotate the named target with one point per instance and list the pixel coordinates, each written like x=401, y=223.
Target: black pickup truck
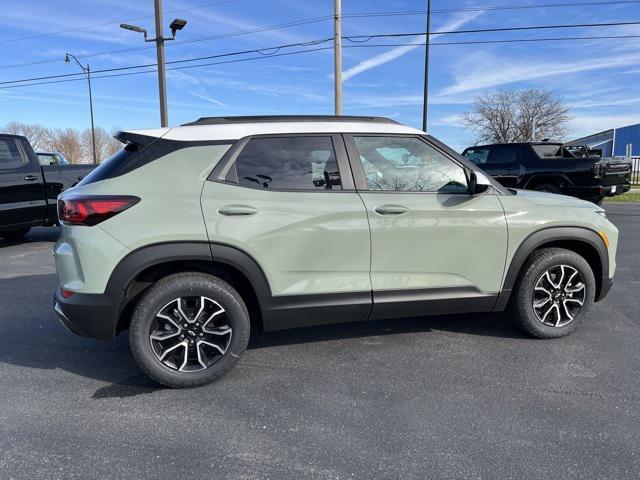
x=29, y=186
x=550, y=167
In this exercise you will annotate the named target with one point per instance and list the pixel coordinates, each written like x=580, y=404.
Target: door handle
x=31, y=178
x=391, y=209
x=237, y=210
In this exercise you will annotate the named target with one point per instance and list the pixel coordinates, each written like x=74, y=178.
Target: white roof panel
x=234, y=131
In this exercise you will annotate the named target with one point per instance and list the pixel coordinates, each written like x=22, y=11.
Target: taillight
x=597, y=169
x=92, y=209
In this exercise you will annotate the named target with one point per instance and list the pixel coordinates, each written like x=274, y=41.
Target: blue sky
x=598, y=78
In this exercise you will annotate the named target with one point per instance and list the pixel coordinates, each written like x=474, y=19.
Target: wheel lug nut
x=181, y=337
x=201, y=334
x=190, y=342
x=197, y=324
x=185, y=325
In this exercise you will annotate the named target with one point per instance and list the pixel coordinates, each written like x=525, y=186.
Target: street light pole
x=87, y=71
x=177, y=24
x=162, y=85
x=425, y=99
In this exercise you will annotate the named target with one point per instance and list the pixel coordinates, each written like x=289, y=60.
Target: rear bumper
x=591, y=192
x=88, y=315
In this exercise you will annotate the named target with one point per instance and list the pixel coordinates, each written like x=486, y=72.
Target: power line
x=503, y=29
x=268, y=51
x=95, y=25
x=350, y=15
x=172, y=68
x=485, y=42
x=273, y=51
x=300, y=22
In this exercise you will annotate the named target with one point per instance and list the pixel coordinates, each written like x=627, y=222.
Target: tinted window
x=10, y=156
x=502, y=154
x=288, y=163
x=477, y=155
x=408, y=165
x=552, y=151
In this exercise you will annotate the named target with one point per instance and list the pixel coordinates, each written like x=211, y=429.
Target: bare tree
x=106, y=145
x=37, y=135
x=512, y=115
x=68, y=142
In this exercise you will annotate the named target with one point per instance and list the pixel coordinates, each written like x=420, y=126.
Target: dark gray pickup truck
x=29, y=186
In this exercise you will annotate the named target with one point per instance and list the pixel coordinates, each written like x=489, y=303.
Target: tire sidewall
x=169, y=289
x=535, y=269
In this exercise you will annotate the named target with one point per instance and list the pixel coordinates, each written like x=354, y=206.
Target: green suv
x=196, y=237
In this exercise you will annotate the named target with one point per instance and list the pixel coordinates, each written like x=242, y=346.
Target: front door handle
x=391, y=209
x=237, y=210
x=31, y=178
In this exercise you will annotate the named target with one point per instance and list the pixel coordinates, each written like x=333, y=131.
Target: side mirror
x=476, y=183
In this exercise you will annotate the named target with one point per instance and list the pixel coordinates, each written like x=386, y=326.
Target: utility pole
x=87, y=71
x=177, y=24
x=425, y=99
x=162, y=80
x=337, y=55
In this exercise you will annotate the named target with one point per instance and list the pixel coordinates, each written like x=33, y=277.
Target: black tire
x=547, y=187
x=521, y=306
x=598, y=201
x=163, y=293
x=15, y=234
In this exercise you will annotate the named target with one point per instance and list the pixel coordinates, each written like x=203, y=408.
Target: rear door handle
x=31, y=178
x=391, y=209
x=237, y=210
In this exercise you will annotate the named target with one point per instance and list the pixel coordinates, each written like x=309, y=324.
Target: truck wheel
x=555, y=289
x=15, y=234
x=547, y=187
x=189, y=329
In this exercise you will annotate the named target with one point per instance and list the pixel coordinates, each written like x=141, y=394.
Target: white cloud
x=489, y=71
x=382, y=58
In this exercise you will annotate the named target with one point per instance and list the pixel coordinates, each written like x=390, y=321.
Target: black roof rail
x=286, y=118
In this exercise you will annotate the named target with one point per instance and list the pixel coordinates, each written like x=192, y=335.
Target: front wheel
x=547, y=187
x=555, y=290
x=189, y=329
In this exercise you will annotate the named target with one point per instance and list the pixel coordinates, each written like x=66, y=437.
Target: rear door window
x=10, y=155
x=287, y=163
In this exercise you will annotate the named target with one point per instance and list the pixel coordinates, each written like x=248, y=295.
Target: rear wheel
x=189, y=329
x=555, y=290
x=15, y=234
x=547, y=187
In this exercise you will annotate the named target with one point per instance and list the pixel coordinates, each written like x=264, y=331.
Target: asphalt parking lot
x=437, y=397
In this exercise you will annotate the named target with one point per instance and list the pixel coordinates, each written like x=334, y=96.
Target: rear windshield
x=112, y=165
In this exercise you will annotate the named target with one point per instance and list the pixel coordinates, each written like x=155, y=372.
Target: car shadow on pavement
x=483, y=324
x=40, y=234
x=32, y=337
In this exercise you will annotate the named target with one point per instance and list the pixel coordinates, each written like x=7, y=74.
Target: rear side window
x=10, y=155
x=287, y=163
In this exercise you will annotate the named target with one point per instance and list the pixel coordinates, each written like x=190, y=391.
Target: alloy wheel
x=190, y=333
x=558, y=295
